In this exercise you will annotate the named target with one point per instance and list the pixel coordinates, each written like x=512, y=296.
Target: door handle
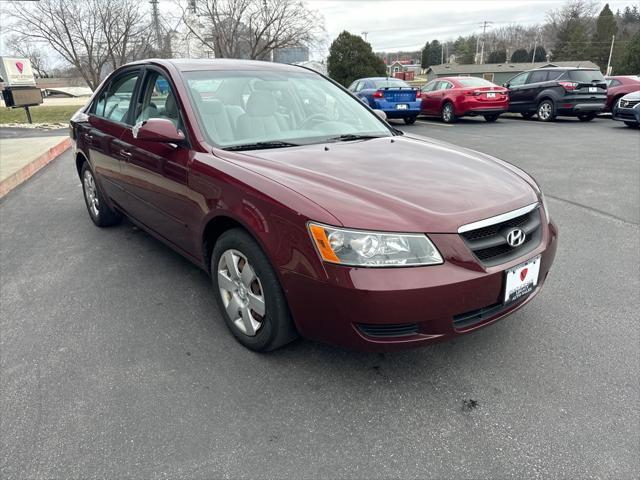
x=125, y=154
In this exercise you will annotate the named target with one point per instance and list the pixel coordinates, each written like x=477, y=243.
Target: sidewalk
x=20, y=158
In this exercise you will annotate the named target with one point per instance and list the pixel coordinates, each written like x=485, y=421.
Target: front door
x=518, y=93
x=157, y=174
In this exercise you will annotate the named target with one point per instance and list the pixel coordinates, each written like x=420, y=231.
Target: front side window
x=298, y=108
x=159, y=101
x=518, y=80
x=115, y=100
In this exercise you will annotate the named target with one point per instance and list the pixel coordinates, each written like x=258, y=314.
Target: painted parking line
x=434, y=123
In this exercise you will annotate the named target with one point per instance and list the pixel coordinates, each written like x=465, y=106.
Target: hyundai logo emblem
x=515, y=237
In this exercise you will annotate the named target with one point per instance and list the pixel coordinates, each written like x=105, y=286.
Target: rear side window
x=115, y=100
x=444, y=85
x=586, y=76
x=430, y=87
x=539, y=76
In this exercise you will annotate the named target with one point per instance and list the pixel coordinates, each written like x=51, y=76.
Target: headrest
x=261, y=104
x=211, y=107
x=170, y=106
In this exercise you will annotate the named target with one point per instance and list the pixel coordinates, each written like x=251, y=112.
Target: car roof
x=561, y=68
x=199, y=64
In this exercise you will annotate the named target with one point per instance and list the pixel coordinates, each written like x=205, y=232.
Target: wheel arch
x=80, y=159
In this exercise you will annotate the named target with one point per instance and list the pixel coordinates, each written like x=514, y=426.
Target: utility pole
x=484, y=24
x=442, y=55
x=155, y=15
x=364, y=34
x=613, y=38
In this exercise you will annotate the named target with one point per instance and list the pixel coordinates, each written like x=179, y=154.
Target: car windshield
x=272, y=109
x=586, y=76
x=474, y=82
x=390, y=83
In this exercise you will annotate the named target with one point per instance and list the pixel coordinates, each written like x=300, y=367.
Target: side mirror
x=381, y=114
x=157, y=130
x=505, y=85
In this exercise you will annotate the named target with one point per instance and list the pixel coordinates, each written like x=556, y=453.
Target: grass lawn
x=39, y=114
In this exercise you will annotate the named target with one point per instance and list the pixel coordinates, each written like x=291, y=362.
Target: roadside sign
x=16, y=72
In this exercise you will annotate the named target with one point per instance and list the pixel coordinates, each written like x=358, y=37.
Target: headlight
x=373, y=249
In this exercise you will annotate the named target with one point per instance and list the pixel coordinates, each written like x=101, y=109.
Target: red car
x=454, y=97
x=312, y=215
x=618, y=87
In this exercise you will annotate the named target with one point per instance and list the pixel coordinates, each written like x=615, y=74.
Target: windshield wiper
x=262, y=145
x=352, y=136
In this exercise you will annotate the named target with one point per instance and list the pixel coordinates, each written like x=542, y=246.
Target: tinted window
x=443, y=85
x=518, y=80
x=389, y=82
x=430, y=87
x=538, y=76
x=474, y=82
x=115, y=100
x=586, y=76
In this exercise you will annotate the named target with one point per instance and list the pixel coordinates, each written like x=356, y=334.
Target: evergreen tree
x=350, y=58
x=540, y=56
x=606, y=27
x=431, y=54
x=497, y=56
x=629, y=63
x=520, y=56
x=572, y=42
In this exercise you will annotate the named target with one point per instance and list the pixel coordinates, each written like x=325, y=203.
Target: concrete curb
x=33, y=167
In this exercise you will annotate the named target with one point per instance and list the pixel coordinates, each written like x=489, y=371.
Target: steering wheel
x=315, y=118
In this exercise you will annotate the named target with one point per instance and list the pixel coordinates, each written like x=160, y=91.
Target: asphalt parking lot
x=116, y=364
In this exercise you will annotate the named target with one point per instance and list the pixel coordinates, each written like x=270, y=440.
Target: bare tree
x=90, y=35
x=27, y=48
x=251, y=28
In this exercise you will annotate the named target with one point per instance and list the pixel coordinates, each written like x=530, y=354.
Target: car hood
x=632, y=96
x=397, y=183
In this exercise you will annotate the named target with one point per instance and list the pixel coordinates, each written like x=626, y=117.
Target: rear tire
x=491, y=118
x=410, y=120
x=254, y=298
x=527, y=115
x=546, y=111
x=101, y=214
x=632, y=124
x=586, y=117
x=448, y=114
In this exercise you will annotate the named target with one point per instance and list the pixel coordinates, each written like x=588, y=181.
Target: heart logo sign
x=20, y=67
x=523, y=274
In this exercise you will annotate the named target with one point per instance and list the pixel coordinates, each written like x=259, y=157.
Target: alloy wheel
x=544, y=111
x=447, y=112
x=91, y=194
x=241, y=292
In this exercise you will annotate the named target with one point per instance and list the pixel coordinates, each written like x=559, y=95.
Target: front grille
x=474, y=317
x=629, y=103
x=489, y=243
x=388, y=330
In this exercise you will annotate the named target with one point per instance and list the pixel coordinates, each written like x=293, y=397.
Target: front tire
x=448, y=114
x=491, y=118
x=546, y=111
x=101, y=214
x=248, y=293
x=410, y=120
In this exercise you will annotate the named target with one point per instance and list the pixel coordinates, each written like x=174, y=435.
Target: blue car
x=395, y=98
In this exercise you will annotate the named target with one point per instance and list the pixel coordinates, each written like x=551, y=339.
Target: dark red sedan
x=452, y=97
x=618, y=87
x=313, y=216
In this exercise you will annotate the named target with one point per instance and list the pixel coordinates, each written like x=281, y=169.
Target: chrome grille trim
x=503, y=217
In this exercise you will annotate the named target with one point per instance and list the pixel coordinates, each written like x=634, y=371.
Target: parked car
x=550, y=92
x=396, y=98
x=627, y=110
x=619, y=86
x=325, y=223
x=453, y=97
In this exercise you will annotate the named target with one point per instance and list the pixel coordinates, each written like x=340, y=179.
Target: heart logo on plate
x=523, y=274
x=20, y=67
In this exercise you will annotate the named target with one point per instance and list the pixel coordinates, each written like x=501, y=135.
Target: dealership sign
x=16, y=72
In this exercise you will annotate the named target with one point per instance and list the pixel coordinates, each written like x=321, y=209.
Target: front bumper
x=418, y=305
x=627, y=114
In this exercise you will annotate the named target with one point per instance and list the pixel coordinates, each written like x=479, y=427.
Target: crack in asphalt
x=594, y=210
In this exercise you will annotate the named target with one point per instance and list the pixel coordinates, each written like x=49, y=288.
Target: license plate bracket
x=402, y=106
x=521, y=280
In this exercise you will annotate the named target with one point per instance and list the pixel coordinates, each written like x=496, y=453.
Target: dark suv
x=553, y=91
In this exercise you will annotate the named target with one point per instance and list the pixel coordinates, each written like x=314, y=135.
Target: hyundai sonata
x=313, y=216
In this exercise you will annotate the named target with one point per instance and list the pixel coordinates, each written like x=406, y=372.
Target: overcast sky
x=407, y=25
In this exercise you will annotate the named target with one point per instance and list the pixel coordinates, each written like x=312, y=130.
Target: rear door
x=109, y=117
x=156, y=174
